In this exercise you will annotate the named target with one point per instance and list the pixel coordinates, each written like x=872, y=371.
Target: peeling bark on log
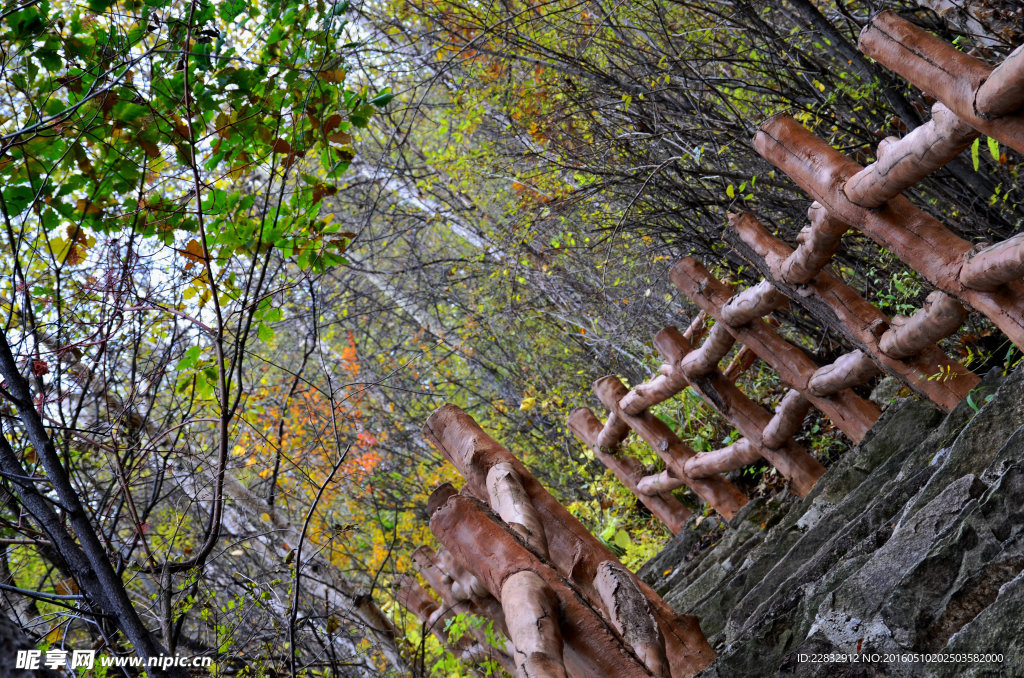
x=936, y=67
x=792, y=460
x=740, y=363
x=666, y=508
x=841, y=308
x=789, y=417
x=695, y=331
x=919, y=240
x=706, y=358
x=852, y=414
x=572, y=549
x=717, y=492
x=752, y=303
x=995, y=265
x=531, y=611
x=818, y=241
x=509, y=500
x=631, y=616
x=614, y=432
x=849, y=370
x=1003, y=92
x=743, y=452
x=938, y=318
x=903, y=162
x=476, y=537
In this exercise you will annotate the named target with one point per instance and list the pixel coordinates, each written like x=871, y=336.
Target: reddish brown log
x=631, y=616
x=659, y=483
x=413, y=597
x=667, y=384
x=706, y=358
x=666, y=508
x=752, y=303
x=841, y=308
x=742, y=453
x=749, y=418
x=427, y=563
x=903, y=162
x=852, y=414
x=849, y=370
x=938, y=318
x=1003, y=92
x=509, y=500
x=718, y=493
x=817, y=243
x=939, y=69
x=740, y=363
x=789, y=417
x=572, y=549
x=995, y=265
x=476, y=537
x=531, y=612
x=465, y=586
x=919, y=240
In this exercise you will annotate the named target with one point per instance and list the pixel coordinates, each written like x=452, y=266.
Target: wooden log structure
x=723, y=396
x=411, y=595
x=789, y=416
x=843, y=310
x=554, y=630
x=987, y=99
x=427, y=563
x=666, y=508
x=715, y=491
x=851, y=413
x=572, y=550
x=918, y=239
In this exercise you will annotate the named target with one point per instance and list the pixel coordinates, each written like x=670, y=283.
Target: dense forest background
x=249, y=247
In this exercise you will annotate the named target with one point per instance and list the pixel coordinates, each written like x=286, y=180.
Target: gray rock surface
x=913, y=542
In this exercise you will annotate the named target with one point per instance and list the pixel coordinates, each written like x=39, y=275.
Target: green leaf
x=265, y=333
x=975, y=157
x=730, y=191
x=189, y=359
x=382, y=99
x=17, y=199
x=993, y=148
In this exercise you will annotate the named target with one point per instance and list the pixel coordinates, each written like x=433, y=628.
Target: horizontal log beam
x=752, y=303
x=851, y=414
x=919, y=240
x=1002, y=93
x=666, y=508
x=939, y=69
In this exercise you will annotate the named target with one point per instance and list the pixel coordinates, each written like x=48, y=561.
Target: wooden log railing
x=571, y=566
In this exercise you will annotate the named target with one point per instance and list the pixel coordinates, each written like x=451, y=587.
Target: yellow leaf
x=265, y=517
x=527, y=403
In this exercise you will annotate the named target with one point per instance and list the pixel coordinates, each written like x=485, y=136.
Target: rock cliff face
x=912, y=542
